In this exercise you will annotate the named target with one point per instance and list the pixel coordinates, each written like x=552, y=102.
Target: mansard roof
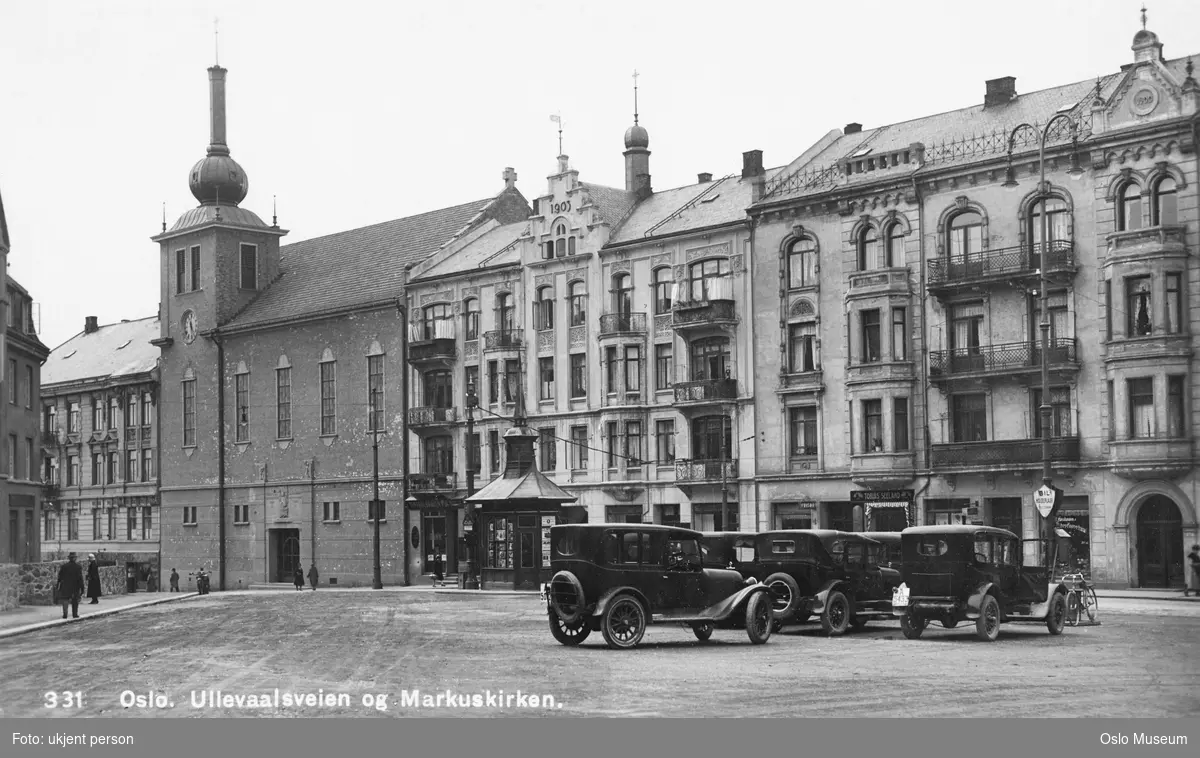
x=109, y=353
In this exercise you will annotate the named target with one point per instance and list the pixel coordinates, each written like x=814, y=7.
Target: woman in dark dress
x=93, y=580
x=299, y=577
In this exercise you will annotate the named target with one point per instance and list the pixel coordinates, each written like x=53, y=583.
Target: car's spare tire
x=566, y=597
x=785, y=592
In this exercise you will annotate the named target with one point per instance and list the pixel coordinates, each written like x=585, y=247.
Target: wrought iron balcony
x=706, y=391
x=1000, y=453
x=49, y=438
x=705, y=471
x=622, y=323
x=435, y=350
x=1005, y=358
x=504, y=339
x=433, y=482
x=1001, y=264
x=429, y=416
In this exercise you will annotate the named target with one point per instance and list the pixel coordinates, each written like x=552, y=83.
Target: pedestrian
x=93, y=580
x=174, y=580
x=70, y=585
x=1193, y=577
x=313, y=576
x=151, y=585
x=299, y=577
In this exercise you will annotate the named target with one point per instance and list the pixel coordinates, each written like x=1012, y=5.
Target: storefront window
x=499, y=547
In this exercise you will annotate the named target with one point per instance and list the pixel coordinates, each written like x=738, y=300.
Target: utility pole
x=472, y=400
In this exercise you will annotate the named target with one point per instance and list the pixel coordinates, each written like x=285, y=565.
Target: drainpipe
x=219, y=339
x=928, y=446
x=402, y=310
x=312, y=510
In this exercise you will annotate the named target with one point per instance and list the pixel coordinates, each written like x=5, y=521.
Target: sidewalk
x=1137, y=593
x=29, y=618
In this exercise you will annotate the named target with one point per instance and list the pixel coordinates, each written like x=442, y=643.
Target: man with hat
x=70, y=585
x=93, y=579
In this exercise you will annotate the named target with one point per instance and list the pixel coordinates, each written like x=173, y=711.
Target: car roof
x=881, y=536
x=714, y=535
x=821, y=534
x=958, y=529
x=628, y=526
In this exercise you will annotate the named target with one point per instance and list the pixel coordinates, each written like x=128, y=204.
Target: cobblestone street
x=1141, y=662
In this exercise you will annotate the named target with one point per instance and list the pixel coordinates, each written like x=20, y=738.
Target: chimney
x=216, y=100
x=1000, y=91
x=852, y=128
x=752, y=164
x=510, y=178
x=90, y=325
x=703, y=178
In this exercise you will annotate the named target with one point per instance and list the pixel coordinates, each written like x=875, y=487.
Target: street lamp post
x=1043, y=196
x=472, y=400
x=377, y=580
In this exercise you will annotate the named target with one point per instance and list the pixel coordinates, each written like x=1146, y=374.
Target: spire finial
x=164, y=221
x=635, y=107
x=216, y=43
x=557, y=118
x=274, y=212
x=1143, y=15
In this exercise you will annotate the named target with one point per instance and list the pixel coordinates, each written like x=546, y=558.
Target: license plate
x=900, y=597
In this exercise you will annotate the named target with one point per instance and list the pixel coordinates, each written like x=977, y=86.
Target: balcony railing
x=1000, y=358
x=705, y=471
x=622, y=323
x=701, y=312
x=433, y=482
x=1001, y=452
x=1001, y=262
x=504, y=339
x=441, y=349
x=706, y=390
x=428, y=416
x=49, y=438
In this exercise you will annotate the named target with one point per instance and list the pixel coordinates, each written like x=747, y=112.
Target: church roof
x=528, y=485
x=4, y=244
x=111, y=352
x=355, y=268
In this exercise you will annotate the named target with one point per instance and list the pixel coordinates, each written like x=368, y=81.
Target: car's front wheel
x=987, y=626
x=703, y=630
x=758, y=617
x=624, y=622
x=1056, y=617
x=572, y=633
x=912, y=625
x=836, y=616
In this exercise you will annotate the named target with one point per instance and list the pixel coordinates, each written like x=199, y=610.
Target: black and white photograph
x=613, y=360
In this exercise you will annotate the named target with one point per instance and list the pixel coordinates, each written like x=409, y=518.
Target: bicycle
x=1081, y=599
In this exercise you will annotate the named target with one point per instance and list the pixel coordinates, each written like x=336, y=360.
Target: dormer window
x=563, y=244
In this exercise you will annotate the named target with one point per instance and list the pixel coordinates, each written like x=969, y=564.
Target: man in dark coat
x=298, y=578
x=93, y=580
x=313, y=575
x=174, y=580
x=70, y=585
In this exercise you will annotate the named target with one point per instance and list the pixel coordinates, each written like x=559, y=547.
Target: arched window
x=562, y=244
x=1129, y=208
x=577, y=297
x=894, y=241
x=471, y=318
x=712, y=438
x=504, y=311
x=802, y=263
x=543, y=308
x=622, y=294
x=868, y=249
x=710, y=280
x=663, y=284
x=1057, y=228
x=436, y=322
x=1165, y=207
x=965, y=236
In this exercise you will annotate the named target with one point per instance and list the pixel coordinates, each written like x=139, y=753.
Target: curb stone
x=97, y=614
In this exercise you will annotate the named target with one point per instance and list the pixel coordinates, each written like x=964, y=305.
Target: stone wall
x=9, y=593
x=36, y=581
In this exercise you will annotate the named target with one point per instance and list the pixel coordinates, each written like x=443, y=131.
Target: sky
x=352, y=113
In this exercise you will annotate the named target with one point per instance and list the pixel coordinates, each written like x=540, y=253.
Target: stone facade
x=36, y=581
x=10, y=586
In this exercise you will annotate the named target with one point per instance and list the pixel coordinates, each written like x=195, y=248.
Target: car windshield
x=983, y=548
x=683, y=547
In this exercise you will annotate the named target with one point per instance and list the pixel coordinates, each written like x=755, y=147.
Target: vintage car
x=953, y=574
x=811, y=572
x=619, y=578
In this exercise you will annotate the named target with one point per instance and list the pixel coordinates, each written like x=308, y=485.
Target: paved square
x=1142, y=662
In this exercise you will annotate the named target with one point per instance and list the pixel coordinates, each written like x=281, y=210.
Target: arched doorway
x=1160, y=543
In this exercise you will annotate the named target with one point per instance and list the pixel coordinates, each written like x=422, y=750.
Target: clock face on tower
x=188, y=323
